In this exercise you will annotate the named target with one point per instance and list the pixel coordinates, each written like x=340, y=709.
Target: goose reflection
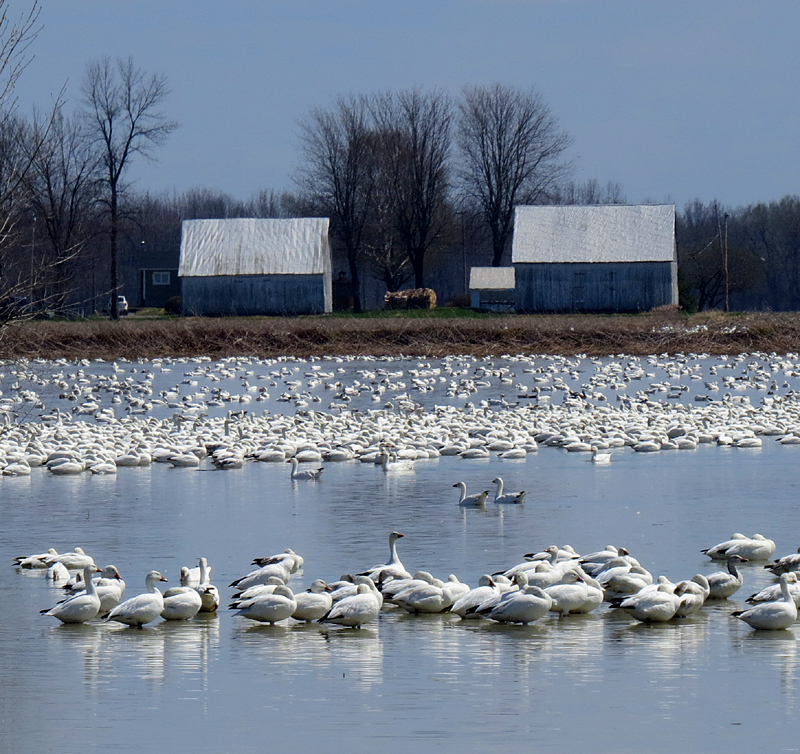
x=358, y=652
x=296, y=647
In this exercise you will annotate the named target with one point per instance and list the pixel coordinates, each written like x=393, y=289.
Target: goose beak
x=163, y=579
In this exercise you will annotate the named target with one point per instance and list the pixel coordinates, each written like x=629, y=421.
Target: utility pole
x=727, y=277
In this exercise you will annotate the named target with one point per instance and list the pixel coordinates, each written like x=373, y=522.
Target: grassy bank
x=432, y=334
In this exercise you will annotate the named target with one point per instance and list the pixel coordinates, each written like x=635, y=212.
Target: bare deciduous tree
x=414, y=134
x=512, y=153
x=123, y=116
x=61, y=190
x=338, y=174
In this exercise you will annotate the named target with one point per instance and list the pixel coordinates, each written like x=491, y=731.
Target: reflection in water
x=308, y=648
x=112, y=651
x=773, y=649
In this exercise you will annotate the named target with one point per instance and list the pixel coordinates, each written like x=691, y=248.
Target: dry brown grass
x=655, y=332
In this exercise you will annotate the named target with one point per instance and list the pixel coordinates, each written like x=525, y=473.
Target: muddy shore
x=393, y=335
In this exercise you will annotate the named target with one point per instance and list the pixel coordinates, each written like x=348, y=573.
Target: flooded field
x=220, y=682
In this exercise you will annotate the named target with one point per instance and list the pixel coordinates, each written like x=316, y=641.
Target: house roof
x=491, y=278
x=246, y=246
x=595, y=233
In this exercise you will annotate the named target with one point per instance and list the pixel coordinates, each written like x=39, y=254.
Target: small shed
x=158, y=285
x=598, y=258
x=250, y=266
x=492, y=288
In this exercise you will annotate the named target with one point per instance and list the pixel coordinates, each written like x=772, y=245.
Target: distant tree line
x=411, y=180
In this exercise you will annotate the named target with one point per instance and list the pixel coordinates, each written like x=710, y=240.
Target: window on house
x=161, y=278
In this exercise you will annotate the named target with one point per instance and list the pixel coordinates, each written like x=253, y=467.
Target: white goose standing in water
x=394, y=568
x=773, y=616
x=724, y=584
x=81, y=607
x=209, y=594
x=143, y=608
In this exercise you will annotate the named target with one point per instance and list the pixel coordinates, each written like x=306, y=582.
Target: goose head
x=318, y=586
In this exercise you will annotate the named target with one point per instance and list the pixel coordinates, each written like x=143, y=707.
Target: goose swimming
x=508, y=497
x=473, y=501
x=305, y=473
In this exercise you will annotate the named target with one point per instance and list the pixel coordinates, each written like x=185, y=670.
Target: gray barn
x=253, y=266
x=599, y=258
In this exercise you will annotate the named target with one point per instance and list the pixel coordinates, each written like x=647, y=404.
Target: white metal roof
x=491, y=278
x=595, y=233
x=245, y=246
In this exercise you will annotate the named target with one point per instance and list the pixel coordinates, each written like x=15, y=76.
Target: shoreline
x=419, y=334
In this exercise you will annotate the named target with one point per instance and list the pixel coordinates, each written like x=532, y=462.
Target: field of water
x=222, y=683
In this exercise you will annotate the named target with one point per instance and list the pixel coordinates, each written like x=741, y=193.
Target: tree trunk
x=114, y=273
x=417, y=262
x=355, y=287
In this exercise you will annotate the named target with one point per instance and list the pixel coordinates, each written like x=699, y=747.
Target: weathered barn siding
x=594, y=287
x=246, y=295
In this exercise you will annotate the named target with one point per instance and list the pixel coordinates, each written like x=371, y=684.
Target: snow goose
x=719, y=552
x=391, y=464
x=289, y=558
x=394, y=568
x=34, y=561
x=306, y=473
x=470, y=501
x=74, y=561
x=394, y=586
x=656, y=606
x=209, y=594
x=757, y=548
x=509, y=497
x=261, y=575
x=109, y=587
x=485, y=590
x=256, y=590
x=58, y=572
x=356, y=610
x=182, y=605
x=423, y=598
x=143, y=608
x=524, y=606
x=785, y=564
x=314, y=603
x=598, y=458
x=269, y=608
x=724, y=584
x=693, y=595
x=773, y=593
x=568, y=596
x=81, y=607
x=773, y=616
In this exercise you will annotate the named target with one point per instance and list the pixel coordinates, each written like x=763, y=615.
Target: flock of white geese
x=384, y=412
x=556, y=580
x=119, y=417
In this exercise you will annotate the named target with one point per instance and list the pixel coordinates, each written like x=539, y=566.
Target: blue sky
x=673, y=100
